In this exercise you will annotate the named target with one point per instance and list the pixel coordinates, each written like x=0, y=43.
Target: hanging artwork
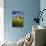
x=17, y=19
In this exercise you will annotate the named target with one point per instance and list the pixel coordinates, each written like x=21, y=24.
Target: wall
x=29, y=7
x=42, y=6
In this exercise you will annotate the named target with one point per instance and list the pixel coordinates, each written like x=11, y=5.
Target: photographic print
x=17, y=19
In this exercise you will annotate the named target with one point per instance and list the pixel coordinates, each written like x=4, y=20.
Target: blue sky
x=17, y=13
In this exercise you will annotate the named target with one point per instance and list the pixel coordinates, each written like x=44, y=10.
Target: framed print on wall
x=17, y=19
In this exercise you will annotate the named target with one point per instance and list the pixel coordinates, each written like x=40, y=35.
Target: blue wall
x=43, y=6
x=29, y=7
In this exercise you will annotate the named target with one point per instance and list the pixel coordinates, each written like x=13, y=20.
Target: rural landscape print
x=17, y=19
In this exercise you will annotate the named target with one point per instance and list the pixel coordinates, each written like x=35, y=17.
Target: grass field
x=17, y=21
